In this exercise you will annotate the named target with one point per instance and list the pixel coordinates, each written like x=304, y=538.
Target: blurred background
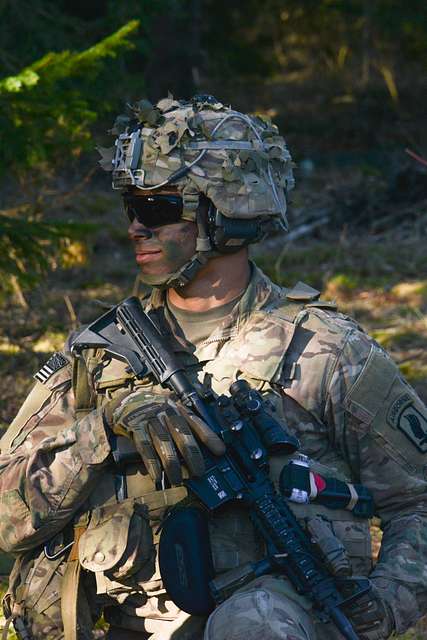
x=344, y=80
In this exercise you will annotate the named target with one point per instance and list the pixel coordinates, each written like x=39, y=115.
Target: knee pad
x=255, y=614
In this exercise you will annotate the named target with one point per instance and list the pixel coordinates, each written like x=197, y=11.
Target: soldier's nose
x=138, y=230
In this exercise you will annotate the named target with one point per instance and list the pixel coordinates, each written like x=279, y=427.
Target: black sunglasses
x=153, y=211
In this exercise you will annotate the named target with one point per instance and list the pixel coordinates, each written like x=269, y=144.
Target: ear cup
x=231, y=234
x=226, y=235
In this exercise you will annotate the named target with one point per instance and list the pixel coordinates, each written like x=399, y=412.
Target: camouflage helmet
x=239, y=162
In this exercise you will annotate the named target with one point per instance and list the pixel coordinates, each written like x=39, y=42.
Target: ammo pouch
x=118, y=540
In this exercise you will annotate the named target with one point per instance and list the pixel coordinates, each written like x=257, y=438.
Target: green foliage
x=46, y=113
x=29, y=248
x=46, y=110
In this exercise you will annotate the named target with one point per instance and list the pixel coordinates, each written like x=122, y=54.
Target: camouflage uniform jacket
x=339, y=392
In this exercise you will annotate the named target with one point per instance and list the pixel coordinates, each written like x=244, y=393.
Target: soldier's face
x=161, y=250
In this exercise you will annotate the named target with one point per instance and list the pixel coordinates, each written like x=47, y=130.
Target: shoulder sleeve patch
x=55, y=362
x=396, y=416
x=404, y=414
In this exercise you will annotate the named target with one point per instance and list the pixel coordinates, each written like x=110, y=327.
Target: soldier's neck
x=221, y=280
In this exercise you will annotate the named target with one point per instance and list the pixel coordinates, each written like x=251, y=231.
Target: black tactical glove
x=160, y=427
x=370, y=616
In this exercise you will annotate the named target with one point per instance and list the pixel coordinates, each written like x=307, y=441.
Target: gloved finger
x=142, y=442
x=166, y=451
x=371, y=621
x=183, y=437
x=202, y=431
x=112, y=407
x=120, y=430
x=367, y=613
x=133, y=421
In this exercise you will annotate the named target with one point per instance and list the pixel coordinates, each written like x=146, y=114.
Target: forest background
x=344, y=80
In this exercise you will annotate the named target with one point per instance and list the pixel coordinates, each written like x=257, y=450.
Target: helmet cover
x=240, y=162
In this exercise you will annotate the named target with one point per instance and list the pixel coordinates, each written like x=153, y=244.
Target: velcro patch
x=413, y=423
x=55, y=362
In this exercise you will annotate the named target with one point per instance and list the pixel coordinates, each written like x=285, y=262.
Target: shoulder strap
x=84, y=392
x=75, y=610
x=300, y=297
x=303, y=292
x=323, y=304
x=293, y=301
x=293, y=307
x=288, y=310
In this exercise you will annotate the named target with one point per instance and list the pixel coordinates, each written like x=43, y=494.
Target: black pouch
x=185, y=560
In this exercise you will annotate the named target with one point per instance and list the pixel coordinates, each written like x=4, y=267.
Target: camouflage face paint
x=163, y=251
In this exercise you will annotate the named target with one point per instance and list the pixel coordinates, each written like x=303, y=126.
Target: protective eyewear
x=153, y=211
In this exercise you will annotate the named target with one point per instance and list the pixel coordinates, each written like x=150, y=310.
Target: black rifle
x=241, y=474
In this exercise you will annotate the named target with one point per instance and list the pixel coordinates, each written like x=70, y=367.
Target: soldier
x=200, y=182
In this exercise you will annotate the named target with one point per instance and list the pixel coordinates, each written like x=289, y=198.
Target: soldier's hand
x=161, y=429
x=370, y=616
